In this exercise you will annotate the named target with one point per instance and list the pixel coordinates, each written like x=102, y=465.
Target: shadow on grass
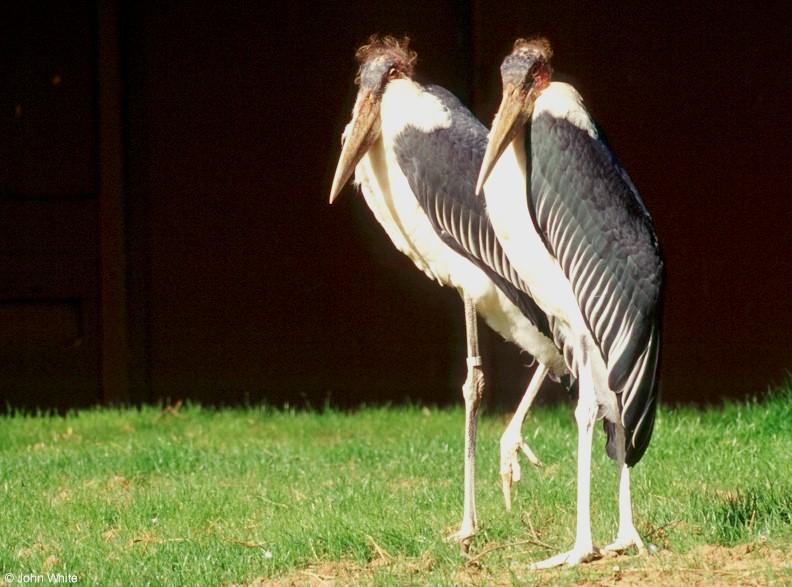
x=733, y=516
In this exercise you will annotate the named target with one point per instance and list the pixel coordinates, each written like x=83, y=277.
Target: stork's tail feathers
x=640, y=395
x=639, y=417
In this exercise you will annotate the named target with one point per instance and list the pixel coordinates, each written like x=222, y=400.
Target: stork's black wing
x=593, y=221
x=441, y=167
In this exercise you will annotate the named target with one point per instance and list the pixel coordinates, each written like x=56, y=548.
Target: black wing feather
x=593, y=221
x=441, y=167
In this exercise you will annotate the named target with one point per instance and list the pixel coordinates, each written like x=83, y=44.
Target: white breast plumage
x=507, y=206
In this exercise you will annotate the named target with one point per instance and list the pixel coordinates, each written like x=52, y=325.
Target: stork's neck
x=407, y=103
x=508, y=175
x=561, y=100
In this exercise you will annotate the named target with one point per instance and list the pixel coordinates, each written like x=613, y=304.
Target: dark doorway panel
x=49, y=294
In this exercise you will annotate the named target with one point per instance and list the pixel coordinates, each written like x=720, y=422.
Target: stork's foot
x=511, y=444
x=463, y=536
x=623, y=543
x=574, y=557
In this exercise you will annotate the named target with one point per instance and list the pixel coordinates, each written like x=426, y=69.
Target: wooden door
x=53, y=222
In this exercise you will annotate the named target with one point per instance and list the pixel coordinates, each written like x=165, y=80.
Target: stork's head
x=381, y=60
x=525, y=73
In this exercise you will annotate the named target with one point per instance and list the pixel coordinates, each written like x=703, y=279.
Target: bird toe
x=571, y=558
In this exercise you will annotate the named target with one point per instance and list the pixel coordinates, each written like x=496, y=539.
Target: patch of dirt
x=744, y=565
x=326, y=574
x=705, y=566
x=340, y=574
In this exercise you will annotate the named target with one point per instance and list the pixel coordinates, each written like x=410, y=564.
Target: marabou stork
x=415, y=151
x=577, y=232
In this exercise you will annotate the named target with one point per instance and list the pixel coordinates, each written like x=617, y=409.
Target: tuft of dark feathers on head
x=398, y=49
x=538, y=46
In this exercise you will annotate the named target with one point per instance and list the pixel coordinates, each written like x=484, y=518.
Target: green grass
x=152, y=497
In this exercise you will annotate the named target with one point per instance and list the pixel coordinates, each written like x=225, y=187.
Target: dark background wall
x=204, y=138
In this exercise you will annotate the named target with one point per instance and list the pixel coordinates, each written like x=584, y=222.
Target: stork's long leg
x=585, y=416
x=627, y=535
x=511, y=442
x=472, y=390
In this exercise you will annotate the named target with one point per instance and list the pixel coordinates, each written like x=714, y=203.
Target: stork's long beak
x=364, y=131
x=506, y=124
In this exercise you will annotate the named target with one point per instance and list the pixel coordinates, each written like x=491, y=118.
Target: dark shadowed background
x=165, y=168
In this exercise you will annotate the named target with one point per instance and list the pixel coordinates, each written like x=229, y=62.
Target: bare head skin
x=381, y=60
x=524, y=73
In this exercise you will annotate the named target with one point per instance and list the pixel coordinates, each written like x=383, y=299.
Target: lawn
x=195, y=496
